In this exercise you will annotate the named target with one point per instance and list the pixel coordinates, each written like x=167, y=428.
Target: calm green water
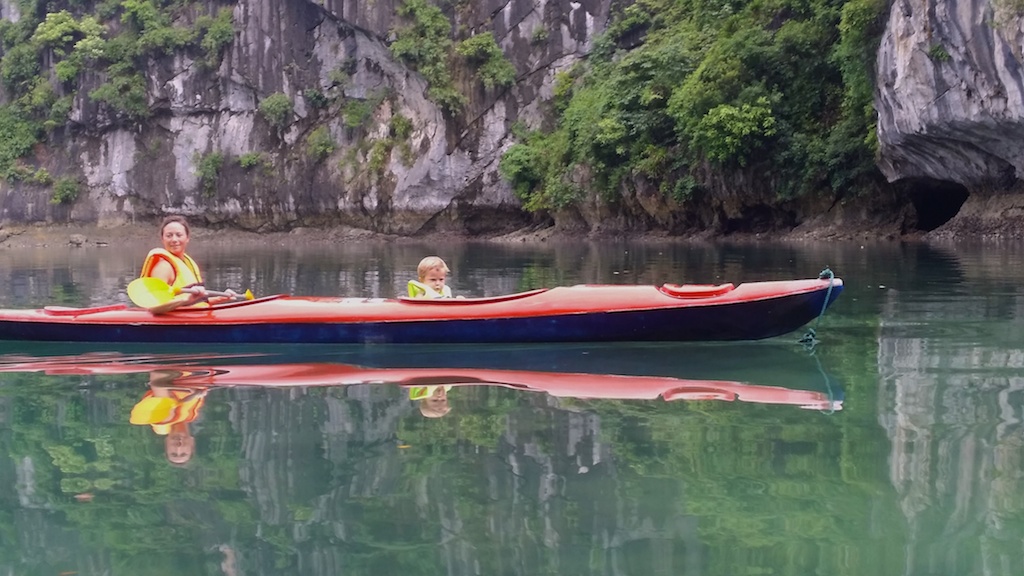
x=916, y=469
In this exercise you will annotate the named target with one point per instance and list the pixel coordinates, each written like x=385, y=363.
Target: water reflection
x=300, y=463
x=921, y=473
x=950, y=386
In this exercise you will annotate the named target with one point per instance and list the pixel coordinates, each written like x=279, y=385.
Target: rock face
x=950, y=92
x=950, y=100
x=330, y=58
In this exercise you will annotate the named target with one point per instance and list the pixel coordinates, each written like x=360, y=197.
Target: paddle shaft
x=209, y=293
x=158, y=297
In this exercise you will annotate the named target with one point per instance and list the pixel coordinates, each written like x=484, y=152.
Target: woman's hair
x=175, y=218
x=430, y=263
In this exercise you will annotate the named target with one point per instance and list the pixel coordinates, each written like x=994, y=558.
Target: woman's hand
x=198, y=294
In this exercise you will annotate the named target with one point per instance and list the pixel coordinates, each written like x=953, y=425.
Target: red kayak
x=584, y=313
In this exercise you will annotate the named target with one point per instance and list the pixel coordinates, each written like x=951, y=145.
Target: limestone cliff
x=367, y=145
x=951, y=92
x=950, y=100
x=330, y=58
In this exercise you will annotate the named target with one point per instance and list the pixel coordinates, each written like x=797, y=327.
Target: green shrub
x=521, y=166
x=58, y=32
x=20, y=67
x=423, y=42
x=338, y=77
x=356, y=113
x=483, y=52
x=39, y=99
x=59, y=112
x=68, y=69
x=125, y=92
x=400, y=127
x=208, y=170
x=938, y=53
x=91, y=44
x=315, y=98
x=561, y=92
x=380, y=153
x=319, y=144
x=729, y=133
x=18, y=134
x=216, y=33
x=41, y=176
x=277, y=109
x=251, y=160
x=107, y=8
x=19, y=172
x=65, y=191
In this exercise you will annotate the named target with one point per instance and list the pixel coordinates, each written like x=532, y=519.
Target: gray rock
x=443, y=176
x=950, y=95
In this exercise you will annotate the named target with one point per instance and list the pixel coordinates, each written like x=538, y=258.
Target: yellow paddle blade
x=149, y=292
x=153, y=410
x=249, y=295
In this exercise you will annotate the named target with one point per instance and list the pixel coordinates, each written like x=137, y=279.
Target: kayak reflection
x=178, y=385
x=183, y=375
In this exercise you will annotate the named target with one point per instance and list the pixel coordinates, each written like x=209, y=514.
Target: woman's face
x=175, y=238
x=179, y=446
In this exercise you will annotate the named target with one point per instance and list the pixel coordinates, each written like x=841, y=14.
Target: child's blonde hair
x=430, y=263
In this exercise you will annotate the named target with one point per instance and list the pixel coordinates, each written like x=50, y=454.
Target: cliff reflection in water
x=951, y=401
x=320, y=462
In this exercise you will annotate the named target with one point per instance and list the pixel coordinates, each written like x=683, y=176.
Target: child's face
x=438, y=401
x=434, y=279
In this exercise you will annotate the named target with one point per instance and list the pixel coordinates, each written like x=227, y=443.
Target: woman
x=172, y=265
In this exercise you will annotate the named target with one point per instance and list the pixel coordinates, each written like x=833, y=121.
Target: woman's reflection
x=168, y=407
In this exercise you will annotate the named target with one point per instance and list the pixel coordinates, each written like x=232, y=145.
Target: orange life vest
x=186, y=271
x=162, y=412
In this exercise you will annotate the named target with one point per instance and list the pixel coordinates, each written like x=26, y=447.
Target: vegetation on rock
x=684, y=94
x=114, y=43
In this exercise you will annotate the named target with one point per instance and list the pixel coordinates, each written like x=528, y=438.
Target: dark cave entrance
x=935, y=202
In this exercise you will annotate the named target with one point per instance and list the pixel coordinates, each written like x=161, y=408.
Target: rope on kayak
x=810, y=338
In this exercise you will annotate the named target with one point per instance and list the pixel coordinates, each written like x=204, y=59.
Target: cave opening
x=935, y=201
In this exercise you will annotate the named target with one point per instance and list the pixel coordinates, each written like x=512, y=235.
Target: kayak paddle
x=149, y=292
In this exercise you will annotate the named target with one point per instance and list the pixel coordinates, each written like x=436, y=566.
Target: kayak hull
x=602, y=313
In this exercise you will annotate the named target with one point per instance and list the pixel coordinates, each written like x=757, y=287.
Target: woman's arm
x=164, y=271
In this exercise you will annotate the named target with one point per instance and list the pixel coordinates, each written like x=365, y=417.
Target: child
x=432, y=272
x=433, y=400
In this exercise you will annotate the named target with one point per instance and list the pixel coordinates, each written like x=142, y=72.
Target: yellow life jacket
x=162, y=412
x=186, y=271
x=421, y=392
x=421, y=290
